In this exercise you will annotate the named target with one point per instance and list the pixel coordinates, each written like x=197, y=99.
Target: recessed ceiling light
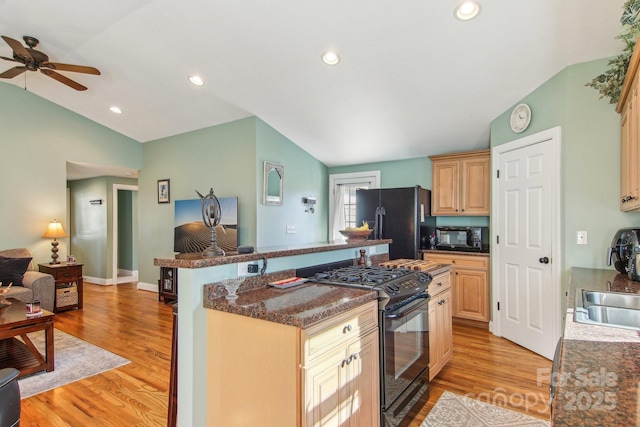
x=330, y=58
x=115, y=109
x=467, y=10
x=196, y=80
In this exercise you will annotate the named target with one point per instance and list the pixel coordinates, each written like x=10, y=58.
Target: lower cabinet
x=268, y=373
x=469, y=286
x=440, y=324
x=341, y=388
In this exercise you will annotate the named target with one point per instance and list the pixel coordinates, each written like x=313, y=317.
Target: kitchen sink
x=612, y=299
x=608, y=309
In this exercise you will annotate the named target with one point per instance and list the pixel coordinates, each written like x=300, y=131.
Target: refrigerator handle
x=380, y=220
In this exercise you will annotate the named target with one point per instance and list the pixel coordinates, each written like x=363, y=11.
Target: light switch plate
x=581, y=238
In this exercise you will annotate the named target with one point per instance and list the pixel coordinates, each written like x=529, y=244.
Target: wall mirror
x=273, y=183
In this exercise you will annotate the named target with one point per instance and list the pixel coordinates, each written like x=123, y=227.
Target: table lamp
x=54, y=230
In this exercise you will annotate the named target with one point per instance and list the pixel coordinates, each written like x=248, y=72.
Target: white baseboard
x=98, y=281
x=111, y=282
x=148, y=287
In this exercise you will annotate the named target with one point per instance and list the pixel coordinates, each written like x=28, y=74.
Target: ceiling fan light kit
x=34, y=60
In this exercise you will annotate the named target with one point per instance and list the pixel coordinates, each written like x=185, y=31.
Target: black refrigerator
x=398, y=214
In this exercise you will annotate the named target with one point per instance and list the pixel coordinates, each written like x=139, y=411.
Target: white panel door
x=526, y=211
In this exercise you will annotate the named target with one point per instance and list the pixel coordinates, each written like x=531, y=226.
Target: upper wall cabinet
x=630, y=137
x=461, y=184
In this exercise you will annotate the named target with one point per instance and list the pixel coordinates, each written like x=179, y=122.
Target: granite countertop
x=195, y=260
x=444, y=252
x=598, y=381
x=299, y=306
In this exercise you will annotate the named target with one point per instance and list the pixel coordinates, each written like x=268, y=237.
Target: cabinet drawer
x=67, y=273
x=328, y=334
x=440, y=283
x=459, y=260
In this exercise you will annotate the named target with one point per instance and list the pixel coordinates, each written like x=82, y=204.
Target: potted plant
x=610, y=83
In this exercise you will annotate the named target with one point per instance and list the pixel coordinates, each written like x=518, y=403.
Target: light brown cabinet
x=469, y=286
x=268, y=373
x=440, y=323
x=630, y=138
x=461, y=184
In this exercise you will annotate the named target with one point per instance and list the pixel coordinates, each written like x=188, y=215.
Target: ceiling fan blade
x=17, y=47
x=12, y=72
x=8, y=59
x=63, y=79
x=69, y=67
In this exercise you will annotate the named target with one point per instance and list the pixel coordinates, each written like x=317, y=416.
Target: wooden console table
x=23, y=355
x=69, y=281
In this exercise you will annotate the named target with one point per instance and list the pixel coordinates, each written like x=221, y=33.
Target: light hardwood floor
x=493, y=370
x=135, y=325
x=132, y=324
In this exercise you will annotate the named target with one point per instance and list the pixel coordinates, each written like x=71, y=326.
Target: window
x=342, y=203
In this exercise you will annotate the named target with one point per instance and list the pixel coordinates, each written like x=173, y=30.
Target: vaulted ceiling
x=413, y=80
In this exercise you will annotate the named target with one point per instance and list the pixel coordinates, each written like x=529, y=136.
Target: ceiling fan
x=34, y=60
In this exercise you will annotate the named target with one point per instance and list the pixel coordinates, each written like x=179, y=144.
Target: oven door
x=404, y=348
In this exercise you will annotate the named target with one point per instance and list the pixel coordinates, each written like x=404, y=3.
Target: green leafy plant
x=610, y=83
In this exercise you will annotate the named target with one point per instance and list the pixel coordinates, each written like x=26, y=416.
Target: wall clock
x=520, y=118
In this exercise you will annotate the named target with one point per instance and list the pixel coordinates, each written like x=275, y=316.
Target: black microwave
x=474, y=239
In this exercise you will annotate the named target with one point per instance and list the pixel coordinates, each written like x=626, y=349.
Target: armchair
x=35, y=285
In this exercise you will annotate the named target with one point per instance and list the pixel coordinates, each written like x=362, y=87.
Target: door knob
x=544, y=260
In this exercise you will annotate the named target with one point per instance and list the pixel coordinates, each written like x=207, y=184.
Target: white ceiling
x=413, y=80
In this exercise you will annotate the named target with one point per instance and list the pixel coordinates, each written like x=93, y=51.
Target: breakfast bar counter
x=299, y=306
x=598, y=378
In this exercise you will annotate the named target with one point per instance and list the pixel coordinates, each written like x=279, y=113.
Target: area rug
x=452, y=410
x=74, y=359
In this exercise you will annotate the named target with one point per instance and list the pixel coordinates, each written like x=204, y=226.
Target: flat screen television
x=191, y=235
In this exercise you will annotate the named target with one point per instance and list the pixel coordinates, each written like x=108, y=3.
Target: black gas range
x=403, y=319
x=396, y=286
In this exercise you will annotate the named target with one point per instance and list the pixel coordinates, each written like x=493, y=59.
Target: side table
x=68, y=279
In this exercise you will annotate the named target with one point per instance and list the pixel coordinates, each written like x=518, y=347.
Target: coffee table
x=23, y=355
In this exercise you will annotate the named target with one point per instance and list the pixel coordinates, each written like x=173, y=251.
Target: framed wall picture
x=163, y=191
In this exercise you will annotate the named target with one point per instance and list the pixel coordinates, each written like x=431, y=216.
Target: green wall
x=304, y=176
x=590, y=161
x=90, y=225
x=38, y=138
x=396, y=173
x=126, y=221
x=229, y=158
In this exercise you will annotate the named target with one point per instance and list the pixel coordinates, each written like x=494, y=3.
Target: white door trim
x=372, y=177
x=553, y=134
x=114, y=229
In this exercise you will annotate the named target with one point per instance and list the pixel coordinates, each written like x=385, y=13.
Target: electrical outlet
x=245, y=268
x=291, y=229
x=372, y=250
x=581, y=238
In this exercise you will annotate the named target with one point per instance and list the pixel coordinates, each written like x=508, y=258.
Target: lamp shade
x=54, y=230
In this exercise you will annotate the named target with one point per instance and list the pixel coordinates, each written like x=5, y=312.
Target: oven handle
x=410, y=307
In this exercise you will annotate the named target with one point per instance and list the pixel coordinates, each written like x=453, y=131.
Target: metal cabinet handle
x=439, y=284
x=346, y=329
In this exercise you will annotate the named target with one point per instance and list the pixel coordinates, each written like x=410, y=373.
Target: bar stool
x=172, y=417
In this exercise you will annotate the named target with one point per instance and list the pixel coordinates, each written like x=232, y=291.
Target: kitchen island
x=598, y=377
x=193, y=325
x=300, y=356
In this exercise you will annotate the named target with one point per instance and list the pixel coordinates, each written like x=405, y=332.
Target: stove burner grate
x=363, y=275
